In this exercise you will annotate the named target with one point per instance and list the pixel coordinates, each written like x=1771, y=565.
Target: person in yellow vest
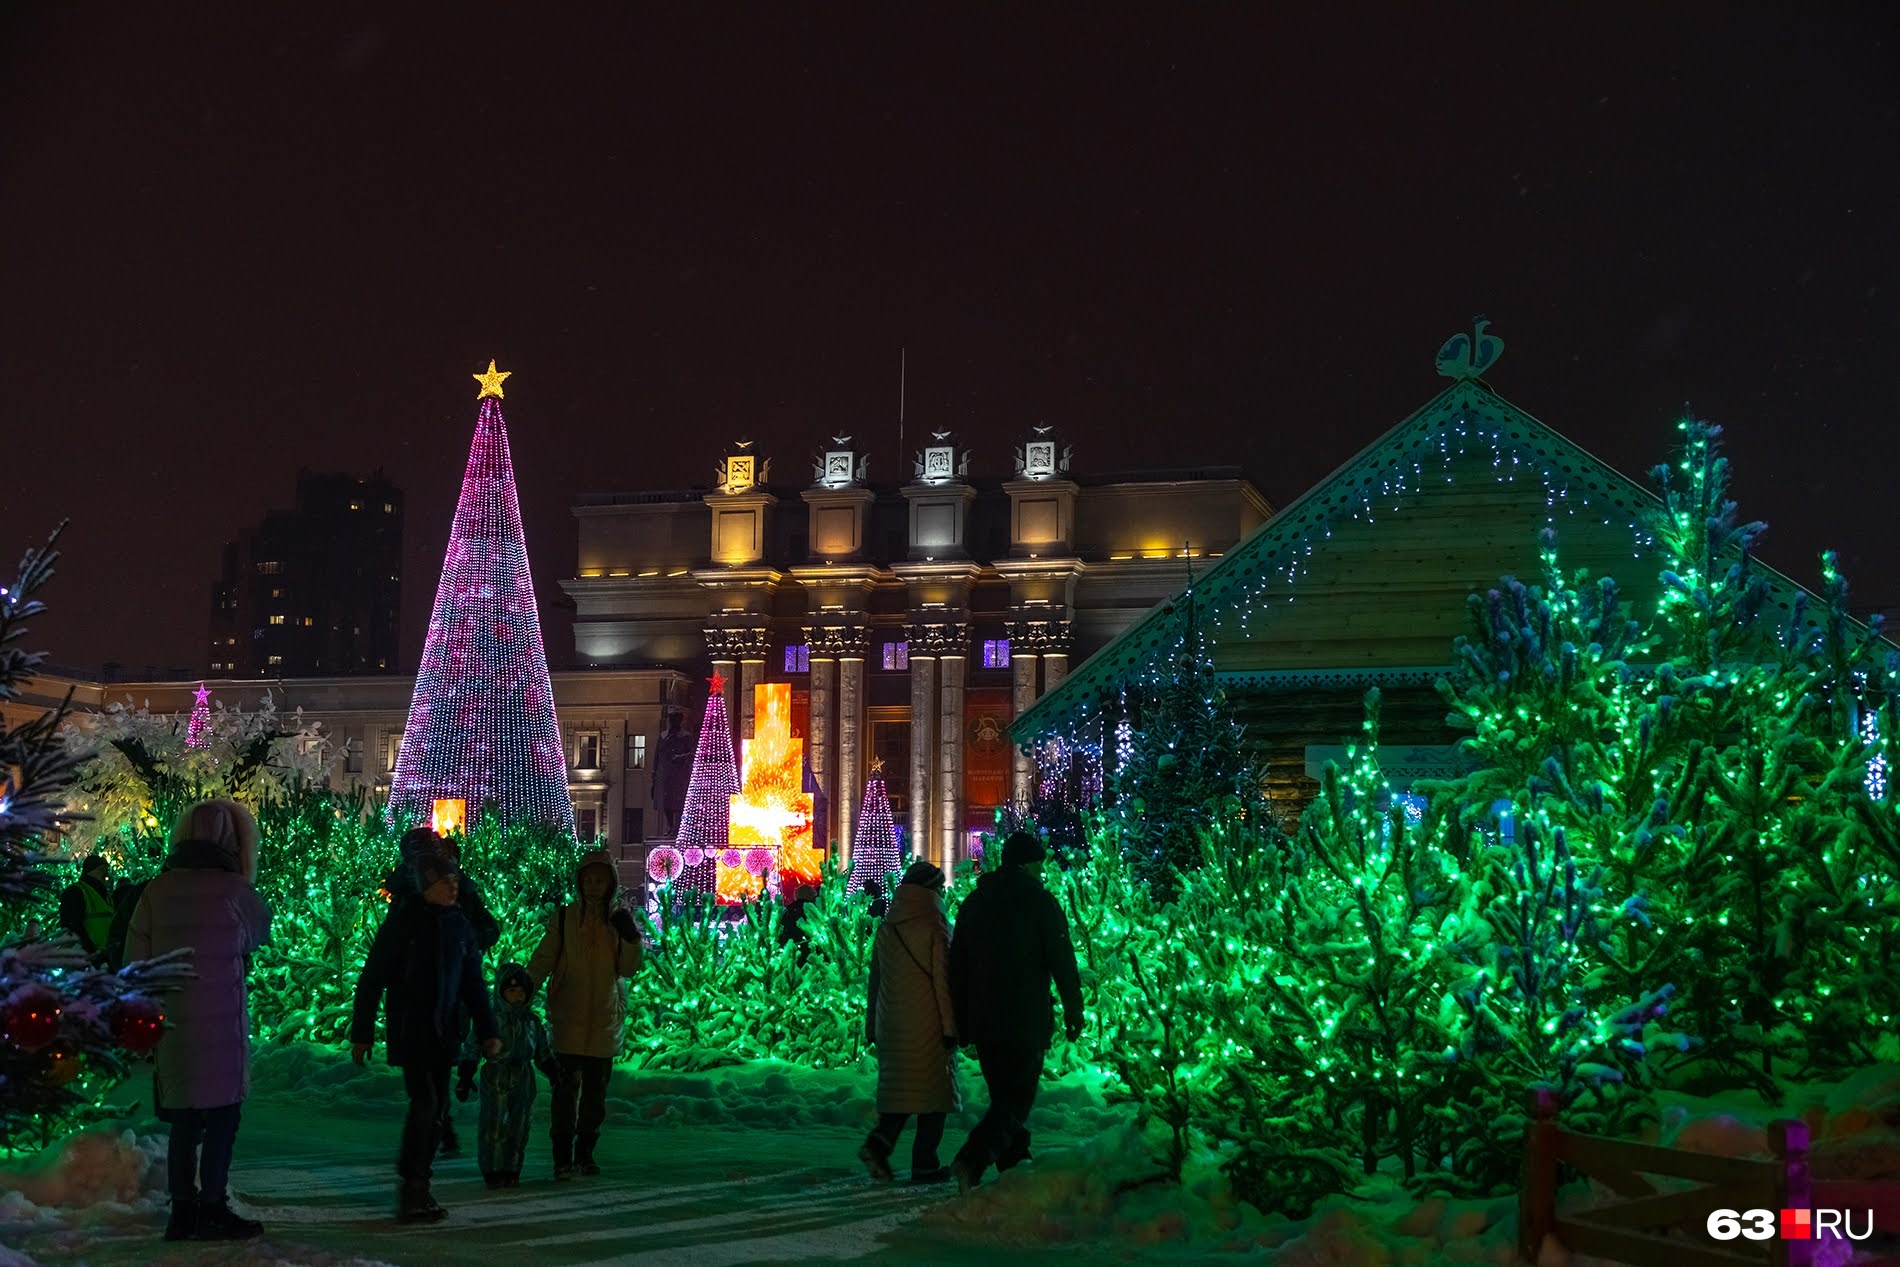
x=85, y=908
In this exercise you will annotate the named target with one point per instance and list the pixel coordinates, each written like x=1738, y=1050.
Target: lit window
x=798, y=658
x=309, y=621
x=230, y=642
x=587, y=751
x=277, y=619
x=270, y=567
x=274, y=661
x=996, y=654
x=356, y=505
x=277, y=591
x=636, y=752
x=389, y=508
x=587, y=822
x=897, y=655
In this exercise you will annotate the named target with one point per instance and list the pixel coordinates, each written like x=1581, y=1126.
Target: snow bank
x=86, y=1169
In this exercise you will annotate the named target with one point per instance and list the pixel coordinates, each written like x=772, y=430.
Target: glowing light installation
x=706, y=816
x=481, y=725
x=198, y=729
x=874, y=854
x=771, y=812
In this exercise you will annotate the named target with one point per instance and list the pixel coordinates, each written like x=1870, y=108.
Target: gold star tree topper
x=491, y=381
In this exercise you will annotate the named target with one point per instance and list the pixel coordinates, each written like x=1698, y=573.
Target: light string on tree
x=482, y=724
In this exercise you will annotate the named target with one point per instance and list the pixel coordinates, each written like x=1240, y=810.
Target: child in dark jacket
x=507, y=1080
x=424, y=958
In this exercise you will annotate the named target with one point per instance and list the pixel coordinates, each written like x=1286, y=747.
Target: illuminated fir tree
x=481, y=725
x=198, y=729
x=1188, y=770
x=66, y=1025
x=874, y=854
x=706, y=818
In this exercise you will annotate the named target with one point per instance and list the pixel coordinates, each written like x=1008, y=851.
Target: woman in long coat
x=205, y=900
x=911, y=1022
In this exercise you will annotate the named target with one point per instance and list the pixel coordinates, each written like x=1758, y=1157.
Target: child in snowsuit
x=507, y=1081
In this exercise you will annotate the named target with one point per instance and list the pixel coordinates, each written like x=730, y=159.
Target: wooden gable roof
x=1364, y=577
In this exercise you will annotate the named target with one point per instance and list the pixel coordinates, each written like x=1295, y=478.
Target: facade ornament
x=938, y=638
x=943, y=460
x=1044, y=456
x=1470, y=355
x=738, y=642
x=741, y=471
x=1039, y=636
x=841, y=465
x=838, y=642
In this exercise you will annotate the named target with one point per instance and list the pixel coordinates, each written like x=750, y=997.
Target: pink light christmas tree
x=705, y=827
x=874, y=854
x=198, y=729
x=481, y=725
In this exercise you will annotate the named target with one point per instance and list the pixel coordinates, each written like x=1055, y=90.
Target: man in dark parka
x=1011, y=942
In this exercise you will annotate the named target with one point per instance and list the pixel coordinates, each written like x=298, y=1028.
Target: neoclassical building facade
x=914, y=621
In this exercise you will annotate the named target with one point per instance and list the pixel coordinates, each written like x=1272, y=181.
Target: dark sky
x=236, y=241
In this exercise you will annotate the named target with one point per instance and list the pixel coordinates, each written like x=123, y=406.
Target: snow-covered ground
x=755, y=1164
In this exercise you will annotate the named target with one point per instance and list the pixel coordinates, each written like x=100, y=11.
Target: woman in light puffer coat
x=911, y=1022
x=205, y=901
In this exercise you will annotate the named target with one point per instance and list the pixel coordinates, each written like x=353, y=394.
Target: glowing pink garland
x=198, y=729
x=874, y=854
x=706, y=817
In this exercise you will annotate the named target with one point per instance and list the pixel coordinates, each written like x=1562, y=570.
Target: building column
x=818, y=745
x=923, y=748
x=727, y=671
x=751, y=673
x=851, y=762
x=1023, y=784
x=1055, y=667
x=950, y=759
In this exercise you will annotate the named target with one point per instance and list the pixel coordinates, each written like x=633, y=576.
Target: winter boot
x=876, y=1156
x=219, y=1223
x=183, y=1225
x=494, y=1178
x=416, y=1205
x=966, y=1174
x=584, y=1154
x=563, y=1156
x=447, y=1143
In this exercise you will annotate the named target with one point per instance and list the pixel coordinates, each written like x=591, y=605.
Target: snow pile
x=1109, y=1190
x=85, y=1169
x=1853, y=1125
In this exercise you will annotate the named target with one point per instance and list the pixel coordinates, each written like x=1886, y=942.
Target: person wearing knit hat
x=1011, y=943
x=911, y=1024
x=425, y=960
x=590, y=948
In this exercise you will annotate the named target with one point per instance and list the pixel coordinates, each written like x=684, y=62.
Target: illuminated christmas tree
x=874, y=854
x=198, y=729
x=482, y=725
x=771, y=812
x=705, y=821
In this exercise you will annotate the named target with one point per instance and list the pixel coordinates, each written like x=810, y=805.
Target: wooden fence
x=1630, y=1231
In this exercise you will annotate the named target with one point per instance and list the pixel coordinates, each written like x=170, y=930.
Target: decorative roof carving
x=749, y=641
x=838, y=642
x=1043, y=456
x=1039, y=636
x=943, y=460
x=840, y=465
x=741, y=471
x=1470, y=355
x=938, y=638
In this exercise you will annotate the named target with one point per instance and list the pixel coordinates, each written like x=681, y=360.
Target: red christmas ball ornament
x=137, y=1024
x=30, y=1017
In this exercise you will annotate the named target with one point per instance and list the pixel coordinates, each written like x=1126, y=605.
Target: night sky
x=238, y=241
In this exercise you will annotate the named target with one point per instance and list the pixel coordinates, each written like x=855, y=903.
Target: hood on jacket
x=598, y=858
x=201, y=855
x=513, y=974
x=914, y=901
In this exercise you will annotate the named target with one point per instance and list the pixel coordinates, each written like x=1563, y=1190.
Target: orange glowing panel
x=771, y=812
x=450, y=816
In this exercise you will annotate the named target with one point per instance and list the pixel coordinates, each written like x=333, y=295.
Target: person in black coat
x=425, y=960
x=1011, y=942
x=85, y=907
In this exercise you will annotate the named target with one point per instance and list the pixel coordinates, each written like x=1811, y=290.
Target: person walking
x=507, y=1081
x=205, y=901
x=487, y=931
x=424, y=960
x=1011, y=942
x=589, y=949
x=85, y=907
x=910, y=1021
